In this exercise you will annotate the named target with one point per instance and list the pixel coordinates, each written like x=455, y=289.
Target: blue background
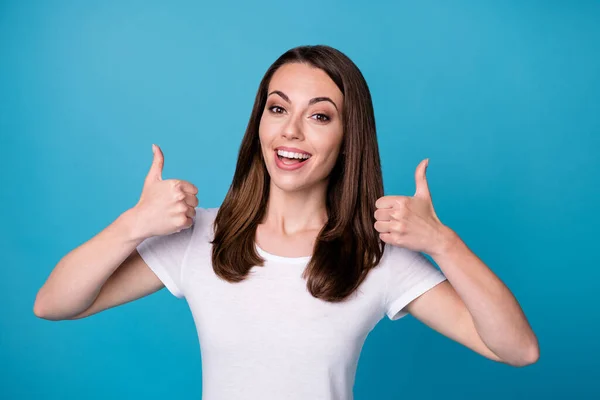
x=503, y=97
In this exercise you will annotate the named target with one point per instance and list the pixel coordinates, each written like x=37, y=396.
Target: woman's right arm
x=107, y=270
x=103, y=272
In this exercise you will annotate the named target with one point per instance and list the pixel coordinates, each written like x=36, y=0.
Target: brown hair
x=347, y=246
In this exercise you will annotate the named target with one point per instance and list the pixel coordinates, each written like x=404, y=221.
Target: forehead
x=304, y=82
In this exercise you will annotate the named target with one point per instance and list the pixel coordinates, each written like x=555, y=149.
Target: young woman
x=303, y=257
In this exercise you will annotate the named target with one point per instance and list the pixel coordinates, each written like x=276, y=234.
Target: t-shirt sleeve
x=409, y=275
x=165, y=254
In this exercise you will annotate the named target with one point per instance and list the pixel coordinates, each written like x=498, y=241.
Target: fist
x=165, y=206
x=411, y=221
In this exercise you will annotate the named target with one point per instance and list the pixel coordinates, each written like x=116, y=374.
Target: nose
x=292, y=128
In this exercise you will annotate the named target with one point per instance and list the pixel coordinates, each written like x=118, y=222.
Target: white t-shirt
x=267, y=337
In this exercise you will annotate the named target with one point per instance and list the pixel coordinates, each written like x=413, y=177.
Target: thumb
x=422, y=187
x=156, y=168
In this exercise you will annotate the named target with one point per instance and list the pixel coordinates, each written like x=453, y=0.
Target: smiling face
x=303, y=111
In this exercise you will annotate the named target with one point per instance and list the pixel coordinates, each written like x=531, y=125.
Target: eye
x=321, y=117
x=276, y=109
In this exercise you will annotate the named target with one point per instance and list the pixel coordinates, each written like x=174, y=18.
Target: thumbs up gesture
x=410, y=221
x=165, y=206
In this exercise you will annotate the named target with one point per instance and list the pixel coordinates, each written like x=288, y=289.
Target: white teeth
x=289, y=154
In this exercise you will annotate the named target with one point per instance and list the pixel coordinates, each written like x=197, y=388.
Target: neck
x=290, y=213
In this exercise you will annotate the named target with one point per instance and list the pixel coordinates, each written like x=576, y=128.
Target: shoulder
x=403, y=264
x=394, y=260
x=398, y=256
x=205, y=214
x=203, y=220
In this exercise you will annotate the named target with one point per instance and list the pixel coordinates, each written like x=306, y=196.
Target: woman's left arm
x=473, y=306
x=476, y=306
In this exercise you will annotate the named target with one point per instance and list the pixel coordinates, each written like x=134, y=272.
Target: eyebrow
x=310, y=102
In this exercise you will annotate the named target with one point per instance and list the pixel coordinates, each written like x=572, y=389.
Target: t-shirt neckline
x=273, y=257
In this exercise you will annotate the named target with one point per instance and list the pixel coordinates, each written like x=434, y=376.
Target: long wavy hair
x=347, y=247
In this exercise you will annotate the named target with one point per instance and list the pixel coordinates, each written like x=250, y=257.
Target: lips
x=290, y=167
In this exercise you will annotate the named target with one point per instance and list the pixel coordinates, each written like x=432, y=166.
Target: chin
x=288, y=186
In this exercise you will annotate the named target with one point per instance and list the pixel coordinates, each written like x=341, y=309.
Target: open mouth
x=290, y=162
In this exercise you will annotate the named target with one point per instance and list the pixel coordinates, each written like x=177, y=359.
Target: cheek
x=266, y=130
x=330, y=144
x=263, y=136
x=267, y=142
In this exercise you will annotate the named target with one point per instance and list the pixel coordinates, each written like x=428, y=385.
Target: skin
x=296, y=205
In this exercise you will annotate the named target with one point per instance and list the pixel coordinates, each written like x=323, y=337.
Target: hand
x=164, y=207
x=411, y=222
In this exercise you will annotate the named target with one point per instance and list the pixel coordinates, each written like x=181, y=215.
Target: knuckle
x=399, y=226
x=179, y=196
x=181, y=220
x=401, y=202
